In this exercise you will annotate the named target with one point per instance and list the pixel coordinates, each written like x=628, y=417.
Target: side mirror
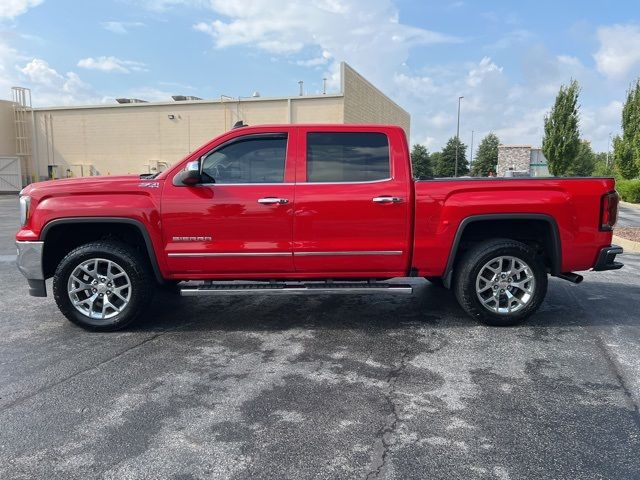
x=189, y=178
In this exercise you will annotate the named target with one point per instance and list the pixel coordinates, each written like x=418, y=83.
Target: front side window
x=248, y=160
x=347, y=157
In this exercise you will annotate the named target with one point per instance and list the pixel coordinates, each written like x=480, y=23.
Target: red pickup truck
x=309, y=209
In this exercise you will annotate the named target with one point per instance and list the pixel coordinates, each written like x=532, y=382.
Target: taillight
x=609, y=210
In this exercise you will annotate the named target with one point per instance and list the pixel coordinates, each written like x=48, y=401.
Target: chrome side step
x=344, y=288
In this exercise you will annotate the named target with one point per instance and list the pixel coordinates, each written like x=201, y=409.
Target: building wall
x=135, y=138
x=140, y=137
x=513, y=157
x=364, y=103
x=7, y=130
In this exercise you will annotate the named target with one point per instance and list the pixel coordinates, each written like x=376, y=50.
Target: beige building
x=145, y=137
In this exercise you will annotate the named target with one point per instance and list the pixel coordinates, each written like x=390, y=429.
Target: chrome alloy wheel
x=99, y=288
x=505, y=285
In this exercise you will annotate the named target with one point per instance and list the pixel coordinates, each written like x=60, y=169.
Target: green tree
x=436, y=159
x=421, y=161
x=446, y=165
x=487, y=158
x=602, y=165
x=561, y=140
x=584, y=163
x=626, y=148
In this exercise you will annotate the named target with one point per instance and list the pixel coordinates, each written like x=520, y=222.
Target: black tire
x=140, y=277
x=469, y=267
x=436, y=281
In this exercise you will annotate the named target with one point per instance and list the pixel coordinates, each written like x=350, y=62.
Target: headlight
x=25, y=201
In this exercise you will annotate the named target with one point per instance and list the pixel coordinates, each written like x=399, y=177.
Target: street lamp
x=457, y=137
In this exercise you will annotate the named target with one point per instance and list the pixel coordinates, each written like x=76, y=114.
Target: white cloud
x=485, y=68
x=39, y=72
x=619, y=50
x=10, y=9
x=368, y=34
x=111, y=64
x=50, y=87
x=120, y=27
x=315, y=62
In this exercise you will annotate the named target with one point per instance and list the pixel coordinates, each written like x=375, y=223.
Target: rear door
x=353, y=203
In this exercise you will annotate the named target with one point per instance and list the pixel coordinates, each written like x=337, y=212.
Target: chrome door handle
x=272, y=201
x=386, y=199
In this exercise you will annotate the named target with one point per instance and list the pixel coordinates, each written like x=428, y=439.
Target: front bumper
x=30, y=265
x=607, y=257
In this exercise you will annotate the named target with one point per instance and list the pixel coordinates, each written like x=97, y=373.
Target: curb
x=628, y=245
x=630, y=205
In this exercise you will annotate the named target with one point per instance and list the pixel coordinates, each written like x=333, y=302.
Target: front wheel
x=500, y=282
x=103, y=285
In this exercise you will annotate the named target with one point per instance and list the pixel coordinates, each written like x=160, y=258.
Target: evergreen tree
x=603, y=166
x=625, y=164
x=446, y=165
x=436, y=159
x=561, y=140
x=584, y=163
x=626, y=148
x=421, y=161
x=487, y=157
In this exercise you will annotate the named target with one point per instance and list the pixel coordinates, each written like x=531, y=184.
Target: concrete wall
x=7, y=130
x=364, y=103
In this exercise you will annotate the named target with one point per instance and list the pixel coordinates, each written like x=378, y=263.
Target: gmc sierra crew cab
x=309, y=209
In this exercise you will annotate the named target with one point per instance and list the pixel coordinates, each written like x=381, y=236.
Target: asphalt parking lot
x=323, y=387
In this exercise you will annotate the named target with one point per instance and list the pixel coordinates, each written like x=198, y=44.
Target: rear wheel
x=500, y=282
x=103, y=285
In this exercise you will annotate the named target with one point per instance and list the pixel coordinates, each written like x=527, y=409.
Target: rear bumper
x=29, y=263
x=607, y=257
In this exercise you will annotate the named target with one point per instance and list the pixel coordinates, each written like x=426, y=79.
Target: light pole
x=609, y=150
x=457, y=137
x=471, y=154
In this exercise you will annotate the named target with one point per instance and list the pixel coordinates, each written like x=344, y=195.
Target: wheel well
x=539, y=232
x=61, y=238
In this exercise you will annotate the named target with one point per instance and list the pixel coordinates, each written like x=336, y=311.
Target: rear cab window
x=343, y=157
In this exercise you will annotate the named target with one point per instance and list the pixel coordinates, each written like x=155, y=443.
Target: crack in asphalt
x=612, y=363
x=617, y=373
x=44, y=388
x=385, y=434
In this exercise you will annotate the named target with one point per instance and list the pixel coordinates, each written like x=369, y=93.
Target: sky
x=507, y=59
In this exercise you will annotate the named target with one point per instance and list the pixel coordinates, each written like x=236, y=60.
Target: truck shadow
x=588, y=304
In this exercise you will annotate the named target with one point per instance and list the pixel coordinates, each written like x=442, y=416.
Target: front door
x=352, y=215
x=242, y=223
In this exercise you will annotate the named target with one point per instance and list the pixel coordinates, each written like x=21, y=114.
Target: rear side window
x=248, y=160
x=347, y=157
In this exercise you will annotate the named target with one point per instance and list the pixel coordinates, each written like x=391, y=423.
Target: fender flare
x=556, y=253
x=122, y=220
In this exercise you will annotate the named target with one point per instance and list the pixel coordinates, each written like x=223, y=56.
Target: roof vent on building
x=130, y=100
x=184, y=98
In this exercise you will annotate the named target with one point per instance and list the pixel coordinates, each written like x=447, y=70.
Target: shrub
x=629, y=190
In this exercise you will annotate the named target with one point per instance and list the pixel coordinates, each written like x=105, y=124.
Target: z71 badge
x=149, y=185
